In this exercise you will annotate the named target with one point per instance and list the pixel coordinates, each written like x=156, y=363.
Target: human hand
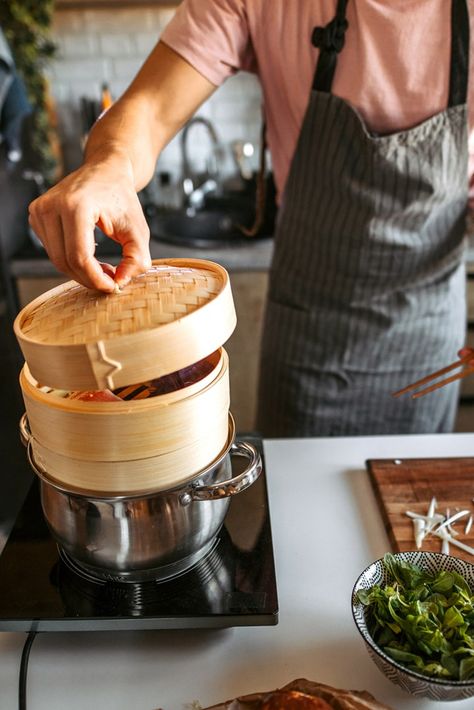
x=64, y=218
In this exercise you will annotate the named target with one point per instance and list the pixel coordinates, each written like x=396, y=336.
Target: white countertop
x=326, y=529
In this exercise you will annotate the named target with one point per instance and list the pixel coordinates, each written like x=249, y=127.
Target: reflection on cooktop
x=233, y=585
x=208, y=586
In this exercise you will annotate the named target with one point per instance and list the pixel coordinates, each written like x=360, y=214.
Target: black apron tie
x=330, y=40
x=459, y=73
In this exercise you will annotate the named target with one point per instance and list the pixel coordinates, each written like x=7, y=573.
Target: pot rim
x=106, y=495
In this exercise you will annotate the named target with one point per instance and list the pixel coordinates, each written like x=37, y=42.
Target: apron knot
x=332, y=36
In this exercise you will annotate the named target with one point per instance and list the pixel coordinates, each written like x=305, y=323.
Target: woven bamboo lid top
x=162, y=295
x=171, y=316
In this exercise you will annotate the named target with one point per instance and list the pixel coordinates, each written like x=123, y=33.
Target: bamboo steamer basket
x=157, y=473
x=176, y=314
x=128, y=430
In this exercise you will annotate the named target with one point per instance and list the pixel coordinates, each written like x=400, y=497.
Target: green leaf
x=404, y=656
x=406, y=574
x=443, y=582
x=364, y=596
x=453, y=618
x=449, y=662
x=436, y=670
x=461, y=584
x=466, y=669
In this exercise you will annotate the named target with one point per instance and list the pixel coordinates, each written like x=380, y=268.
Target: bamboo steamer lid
x=168, y=318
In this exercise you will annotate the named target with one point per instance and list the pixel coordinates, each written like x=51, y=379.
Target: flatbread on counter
x=302, y=694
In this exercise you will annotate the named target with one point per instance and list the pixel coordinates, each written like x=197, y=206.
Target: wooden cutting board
x=410, y=484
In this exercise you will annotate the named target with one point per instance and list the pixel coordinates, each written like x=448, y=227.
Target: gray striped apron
x=367, y=285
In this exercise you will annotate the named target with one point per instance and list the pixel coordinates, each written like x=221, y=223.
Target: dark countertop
x=31, y=261
x=255, y=255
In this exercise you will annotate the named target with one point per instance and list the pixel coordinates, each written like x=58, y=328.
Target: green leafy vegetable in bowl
x=423, y=621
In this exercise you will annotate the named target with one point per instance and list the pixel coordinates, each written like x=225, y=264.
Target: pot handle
x=26, y=438
x=232, y=486
x=25, y=431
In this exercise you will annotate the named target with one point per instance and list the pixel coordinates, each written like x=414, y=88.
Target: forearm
x=164, y=95
x=120, y=158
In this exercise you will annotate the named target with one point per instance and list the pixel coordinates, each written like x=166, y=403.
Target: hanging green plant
x=26, y=25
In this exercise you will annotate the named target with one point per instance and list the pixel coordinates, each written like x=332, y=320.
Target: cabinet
x=30, y=287
x=249, y=290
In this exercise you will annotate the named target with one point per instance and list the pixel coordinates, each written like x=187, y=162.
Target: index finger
x=134, y=237
x=79, y=249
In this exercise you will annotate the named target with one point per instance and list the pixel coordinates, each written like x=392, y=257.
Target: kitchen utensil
x=410, y=484
x=411, y=681
x=150, y=535
x=465, y=371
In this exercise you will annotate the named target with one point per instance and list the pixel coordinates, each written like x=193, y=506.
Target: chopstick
x=434, y=375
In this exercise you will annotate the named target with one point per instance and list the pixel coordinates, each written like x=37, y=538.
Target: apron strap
x=330, y=40
x=458, y=80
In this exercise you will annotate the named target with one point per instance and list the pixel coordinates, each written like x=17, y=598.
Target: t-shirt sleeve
x=213, y=36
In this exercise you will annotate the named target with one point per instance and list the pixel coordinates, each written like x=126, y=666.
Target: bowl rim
x=370, y=641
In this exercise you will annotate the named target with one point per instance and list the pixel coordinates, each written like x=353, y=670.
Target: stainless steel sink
x=203, y=228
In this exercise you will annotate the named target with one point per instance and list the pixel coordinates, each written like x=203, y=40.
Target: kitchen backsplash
x=108, y=46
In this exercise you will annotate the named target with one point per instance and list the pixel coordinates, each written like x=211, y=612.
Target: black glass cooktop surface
x=233, y=585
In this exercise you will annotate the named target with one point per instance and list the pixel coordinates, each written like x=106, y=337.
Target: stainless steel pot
x=148, y=535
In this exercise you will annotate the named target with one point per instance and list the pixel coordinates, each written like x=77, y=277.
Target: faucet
x=197, y=185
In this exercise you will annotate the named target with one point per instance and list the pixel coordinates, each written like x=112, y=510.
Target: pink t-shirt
x=394, y=68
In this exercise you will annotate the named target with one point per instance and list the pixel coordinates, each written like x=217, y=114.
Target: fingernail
x=121, y=283
x=108, y=283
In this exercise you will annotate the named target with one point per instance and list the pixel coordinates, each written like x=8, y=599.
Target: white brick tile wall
x=78, y=45
x=72, y=71
x=115, y=20
x=237, y=110
x=70, y=93
x=116, y=45
x=144, y=42
x=125, y=68
x=109, y=46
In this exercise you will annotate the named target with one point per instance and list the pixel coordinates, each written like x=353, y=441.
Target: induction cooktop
x=43, y=589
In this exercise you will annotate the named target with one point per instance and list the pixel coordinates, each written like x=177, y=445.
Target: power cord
x=24, y=670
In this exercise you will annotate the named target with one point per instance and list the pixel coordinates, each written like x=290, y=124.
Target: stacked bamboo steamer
x=176, y=314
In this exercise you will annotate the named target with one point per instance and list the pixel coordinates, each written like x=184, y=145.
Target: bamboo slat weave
x=170, y=469
x=172, y=316
x=161, y=295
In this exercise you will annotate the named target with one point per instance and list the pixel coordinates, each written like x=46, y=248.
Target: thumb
x=135, y=260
